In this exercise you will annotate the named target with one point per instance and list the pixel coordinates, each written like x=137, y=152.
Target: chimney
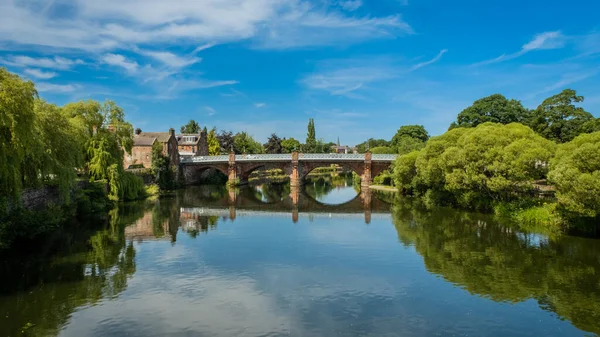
x=138, y=131
x=172, y=132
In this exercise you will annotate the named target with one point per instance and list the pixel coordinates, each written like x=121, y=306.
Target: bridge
x=296, y=165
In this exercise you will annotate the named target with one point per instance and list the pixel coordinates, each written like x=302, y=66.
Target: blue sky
x=360, y=68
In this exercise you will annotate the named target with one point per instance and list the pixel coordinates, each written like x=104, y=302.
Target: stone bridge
x=295, y=165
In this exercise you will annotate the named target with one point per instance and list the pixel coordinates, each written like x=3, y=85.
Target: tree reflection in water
x=503, y=264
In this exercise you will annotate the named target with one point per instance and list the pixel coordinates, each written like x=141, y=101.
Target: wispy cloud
x=210, y=111
x=58, y=63
x=433, y=60
x=110, y=24
x=40, y=74
x=203, y=47
x=121, y=61
x=348, y=77
x=259, y=105
x=233, y=93
x=172, y=60
x=351, y=5
x=56, y=88
x=547, y=40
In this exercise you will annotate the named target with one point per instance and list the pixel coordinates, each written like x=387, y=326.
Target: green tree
x=409, y=138
x=382, y=150
x=214, y=148
x=575, y=170
x=191, y=127
x=226, y=140
x=161, y=168
x=244, y=143
x=371, y=143
x=17, y=137
x=289, y=145
x=558, y=119
x=495, y=108
x=311, y=140
x=273, y=144
x=477, y=166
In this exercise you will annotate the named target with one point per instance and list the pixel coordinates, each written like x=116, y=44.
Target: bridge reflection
x=199, y=209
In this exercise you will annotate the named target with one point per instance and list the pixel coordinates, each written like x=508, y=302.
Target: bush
x=383, y=150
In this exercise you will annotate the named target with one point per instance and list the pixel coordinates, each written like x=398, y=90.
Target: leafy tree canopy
x=495, y=108
x=244, y=143
x=371, y=143
x=575, y=170
x=273, y=144
x=410, y=131
x=191, y=127
x=290, y=145
x=214, y=148
x=225, y=139
x=558, y=119
x=383, y=150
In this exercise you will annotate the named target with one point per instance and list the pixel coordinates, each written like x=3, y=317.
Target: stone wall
x=139, y=155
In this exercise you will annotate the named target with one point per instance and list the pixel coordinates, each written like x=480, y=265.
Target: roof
x=181, y=142
x=162, y=137
x=143, y=140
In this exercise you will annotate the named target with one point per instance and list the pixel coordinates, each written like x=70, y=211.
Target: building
x=192, y=144
x=141, y=152
x=343, y=149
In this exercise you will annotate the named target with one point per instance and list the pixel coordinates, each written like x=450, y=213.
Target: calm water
x=321, y=261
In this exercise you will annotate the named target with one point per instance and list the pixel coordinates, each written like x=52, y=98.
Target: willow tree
x=17, y=137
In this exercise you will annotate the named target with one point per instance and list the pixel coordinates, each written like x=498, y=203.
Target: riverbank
x=384, y=188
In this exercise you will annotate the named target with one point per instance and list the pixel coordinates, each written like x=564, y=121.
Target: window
x=189, y=139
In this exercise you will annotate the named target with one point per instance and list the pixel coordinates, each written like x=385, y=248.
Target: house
x=141, y=152
x=192, y=144
x=342, y=149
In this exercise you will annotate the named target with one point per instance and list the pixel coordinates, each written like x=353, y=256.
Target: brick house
x=141, y=152
x=192, y=144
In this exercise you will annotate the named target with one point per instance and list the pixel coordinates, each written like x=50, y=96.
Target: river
x=323, y=260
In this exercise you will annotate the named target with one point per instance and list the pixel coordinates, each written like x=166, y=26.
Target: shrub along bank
x=494, y=167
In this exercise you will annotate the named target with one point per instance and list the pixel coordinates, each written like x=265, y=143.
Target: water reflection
x=334, y=188
x=218, y=262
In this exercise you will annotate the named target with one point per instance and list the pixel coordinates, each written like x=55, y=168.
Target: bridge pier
x=296, y=179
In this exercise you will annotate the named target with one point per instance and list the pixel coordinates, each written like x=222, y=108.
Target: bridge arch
x=193, y=173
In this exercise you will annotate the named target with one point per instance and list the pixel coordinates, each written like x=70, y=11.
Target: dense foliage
x=311, y=141
x=473, y=167
x=273, y=145
x=495, y=108
x=558, y=119
x=290, y=145
x=214, y=148
x=382, y=150
x=371, y=143
x=191, y=127
x=575, y=170
x=161, y=168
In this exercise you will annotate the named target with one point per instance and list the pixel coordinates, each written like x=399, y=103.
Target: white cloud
x=56, y=88
x=120, y=61
x=351, y=5
x=172, y=60
x=203, y=47
x=40, y=74
x=59, y=63
x=259, y=105
x=433, y=60
x=109, y=24
x=547, y=40
x=210, y=111
x=347, y=77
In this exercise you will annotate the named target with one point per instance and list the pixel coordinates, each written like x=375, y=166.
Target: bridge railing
x=288, y=157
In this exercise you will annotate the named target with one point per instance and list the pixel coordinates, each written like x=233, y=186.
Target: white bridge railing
x=288, y=157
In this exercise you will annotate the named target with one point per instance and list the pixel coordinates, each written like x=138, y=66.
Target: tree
x=575, y=170
x=558, y=119
x=191, y=127
x=409, y=138
x=495, y=108
x=290, y=145
x=17, y=137
x=311, y=140
x=273, y=144
x=214, y=148
x=382, y=150
x=371, y=143
x=161, y=168
x=226, y=141
x=474, y=167
x=244, y=143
